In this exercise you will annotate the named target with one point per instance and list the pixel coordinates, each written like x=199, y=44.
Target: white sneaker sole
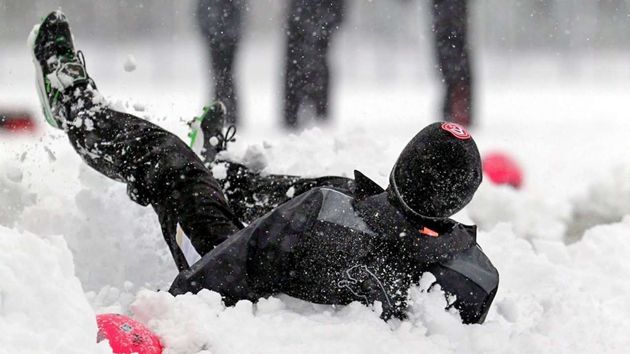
x=39, y=81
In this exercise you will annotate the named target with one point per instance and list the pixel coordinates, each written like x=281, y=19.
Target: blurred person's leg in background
x=450, y=19
x=220, y=22
x=310, y=27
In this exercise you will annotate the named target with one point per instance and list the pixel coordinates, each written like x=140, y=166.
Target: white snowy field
x=72, y=244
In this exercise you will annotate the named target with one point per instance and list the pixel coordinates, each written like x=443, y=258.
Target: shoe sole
x=39, y=81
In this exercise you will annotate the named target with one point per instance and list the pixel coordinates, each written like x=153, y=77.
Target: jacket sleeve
x=472, y=278
x=255, y=261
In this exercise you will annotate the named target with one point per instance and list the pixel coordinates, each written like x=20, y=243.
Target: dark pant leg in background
x=158, y=168
x=310, y=27
x=251, y=195
x=220, y=22
x=450, y=20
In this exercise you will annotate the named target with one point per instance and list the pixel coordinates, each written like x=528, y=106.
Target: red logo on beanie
x=457, y=130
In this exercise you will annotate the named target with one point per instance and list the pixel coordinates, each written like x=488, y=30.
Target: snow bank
x=113, y=240
x=532, y=216
x=14, y=196
x=42, y=306
x=191, y=324
x=551, y=298
x=607, y=200
x=568, y=298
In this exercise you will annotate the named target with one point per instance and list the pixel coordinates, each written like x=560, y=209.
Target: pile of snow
x=607, y=200
x=42, y=306
x=531, y=216
x=537, y=216
x=551, y=295
x=571, y=299
x=14, y=195
x=117, y=245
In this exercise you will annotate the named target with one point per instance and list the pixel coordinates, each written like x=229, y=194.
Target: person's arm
x=472, y=278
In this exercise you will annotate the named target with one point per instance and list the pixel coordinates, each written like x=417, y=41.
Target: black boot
x=59, y=68
x=207, y=136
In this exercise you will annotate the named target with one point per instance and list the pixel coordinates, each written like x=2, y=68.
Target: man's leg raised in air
x=158, y=168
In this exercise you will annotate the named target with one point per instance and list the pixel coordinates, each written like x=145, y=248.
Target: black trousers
x=310, y=27
x=161, y=170
x=450, y=24
x=220, y=22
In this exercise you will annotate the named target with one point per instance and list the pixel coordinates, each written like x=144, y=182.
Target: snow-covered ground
x=561, y=244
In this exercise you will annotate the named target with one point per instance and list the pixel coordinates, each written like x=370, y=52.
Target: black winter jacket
x=334, y=246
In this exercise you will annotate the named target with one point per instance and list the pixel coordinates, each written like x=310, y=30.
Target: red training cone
x=126, y=335
x=502, y=169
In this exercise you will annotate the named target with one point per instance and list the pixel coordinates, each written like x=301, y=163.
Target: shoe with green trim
x=59, y=68
x=207, y=134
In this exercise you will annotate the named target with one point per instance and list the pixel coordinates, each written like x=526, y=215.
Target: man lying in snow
x=337, y=241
